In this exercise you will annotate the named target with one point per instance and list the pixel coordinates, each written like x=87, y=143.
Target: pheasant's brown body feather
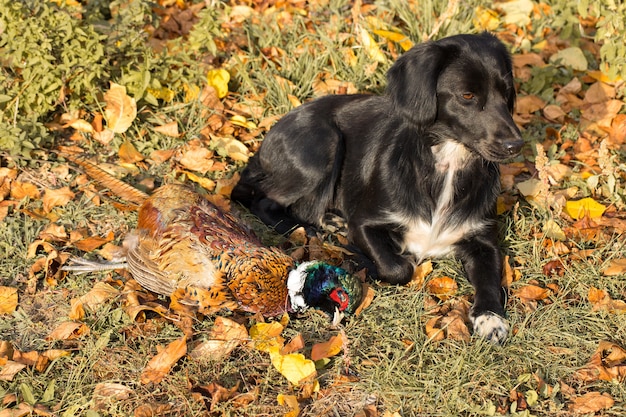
x=183, y=241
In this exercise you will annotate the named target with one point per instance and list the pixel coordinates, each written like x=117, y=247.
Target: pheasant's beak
x=337, y=317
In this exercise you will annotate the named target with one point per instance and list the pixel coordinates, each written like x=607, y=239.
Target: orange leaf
x=161, y=364
x=8, y=300
x=129, y=154
x=532, y=292
x=328, y=349
x=21, y=190
x=420, y=273
x=9, y=370
x=290, y=401
x=68, y=330
x=225, y=336
x=168, y=129
x=442, y=287
x=58, y=197
x=93, y=242
x=616, y=267
x=294, y=345
x=591, y=402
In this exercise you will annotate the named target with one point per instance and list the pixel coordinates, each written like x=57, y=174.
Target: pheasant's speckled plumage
x=187, y=248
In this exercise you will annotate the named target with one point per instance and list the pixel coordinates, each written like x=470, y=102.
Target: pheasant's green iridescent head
x=325, y=287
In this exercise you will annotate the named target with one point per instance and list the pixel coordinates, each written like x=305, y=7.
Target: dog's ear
x=412, y=82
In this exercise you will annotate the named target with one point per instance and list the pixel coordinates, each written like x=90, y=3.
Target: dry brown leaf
x=532, y=292
x=20, y=190
x=290, y=401
x=329, y=348
x=368, y=296
x=225, y=336
x=120, y=110
x=10, y=369
x=591, y=402
x=161, y=364
x=420, y=273
x=162, y=155
x=8, y=300
x=608, y=363
x=91, y=243
x=107, y=392
x=529, y=104
x=55, y=198
x=616, y=267
x=196, y=157
x=67, y=331
x=98, y=295
x=442, y=287
x=129, y=154
x=168, y=129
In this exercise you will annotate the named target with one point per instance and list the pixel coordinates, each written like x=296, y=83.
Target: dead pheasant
x=187, y=248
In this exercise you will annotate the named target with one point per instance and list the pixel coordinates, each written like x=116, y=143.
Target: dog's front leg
x=378, y=243
x=482, y=261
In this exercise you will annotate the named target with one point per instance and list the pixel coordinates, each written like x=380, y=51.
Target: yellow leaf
x=553, y=230
x=581, y=208
x=218, y=79
x=421, y=272
x=160, y=365
x=192, y=92
x=294, y=366
x=162, y=93
x=290, y=401
x=370, y=46
x=267, y=335
x=120, y=110
x=8, y=300
x=485, y=19
x=239, y=120
x=398, y=37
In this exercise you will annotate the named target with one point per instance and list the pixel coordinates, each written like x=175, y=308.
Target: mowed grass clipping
x=410, y=353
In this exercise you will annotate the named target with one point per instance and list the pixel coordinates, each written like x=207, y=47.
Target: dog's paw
x=490, y=326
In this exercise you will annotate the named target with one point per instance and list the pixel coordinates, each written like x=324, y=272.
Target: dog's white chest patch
x=435, y=238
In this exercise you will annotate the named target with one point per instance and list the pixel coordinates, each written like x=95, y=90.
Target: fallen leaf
x=616, y=267
x=107, y=392
x=218, y=79
x=532, y=292
x=420, y=273
x=294, y=345
x=584, y=207
x=572, y=57
x=8, y=300
x=129, y=154
x=293, y=366
x=55, y=198
x=442, y=287
x=120, y=110
x=368, y=296
x=398, y=37
x=10, y=369
x=196, y=157
x=20, y=190
x=67, y=331
x=329, y=348
x=290, y=401
x=267, y=335
x=161, y=364
x=91, y=243
x=168, y=129
x=224, y=337
x=591, y=402
x=369, y=44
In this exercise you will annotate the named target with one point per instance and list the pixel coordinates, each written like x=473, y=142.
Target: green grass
x=392, y=364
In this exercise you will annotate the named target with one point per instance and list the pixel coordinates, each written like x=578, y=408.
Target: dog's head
x=459, y=88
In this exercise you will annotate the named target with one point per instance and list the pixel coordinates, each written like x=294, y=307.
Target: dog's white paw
x=490, y=326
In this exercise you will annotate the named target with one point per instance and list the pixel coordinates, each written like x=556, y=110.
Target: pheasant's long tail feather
x=83, y=266
x=118, y=187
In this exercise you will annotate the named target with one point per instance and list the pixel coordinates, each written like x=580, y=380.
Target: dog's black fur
x=414, y=172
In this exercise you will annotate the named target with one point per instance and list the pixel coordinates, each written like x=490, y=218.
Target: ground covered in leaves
x=179, y=91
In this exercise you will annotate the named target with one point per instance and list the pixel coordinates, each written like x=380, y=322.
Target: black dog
x=414, y=172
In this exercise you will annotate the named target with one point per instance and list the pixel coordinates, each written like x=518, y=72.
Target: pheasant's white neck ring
x=295, y=285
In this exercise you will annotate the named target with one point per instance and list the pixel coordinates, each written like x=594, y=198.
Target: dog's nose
x=513, y=147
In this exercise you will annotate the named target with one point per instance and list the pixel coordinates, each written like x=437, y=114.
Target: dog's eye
x=468, y=96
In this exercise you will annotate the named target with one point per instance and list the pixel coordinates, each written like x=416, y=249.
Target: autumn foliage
x=183, y=91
